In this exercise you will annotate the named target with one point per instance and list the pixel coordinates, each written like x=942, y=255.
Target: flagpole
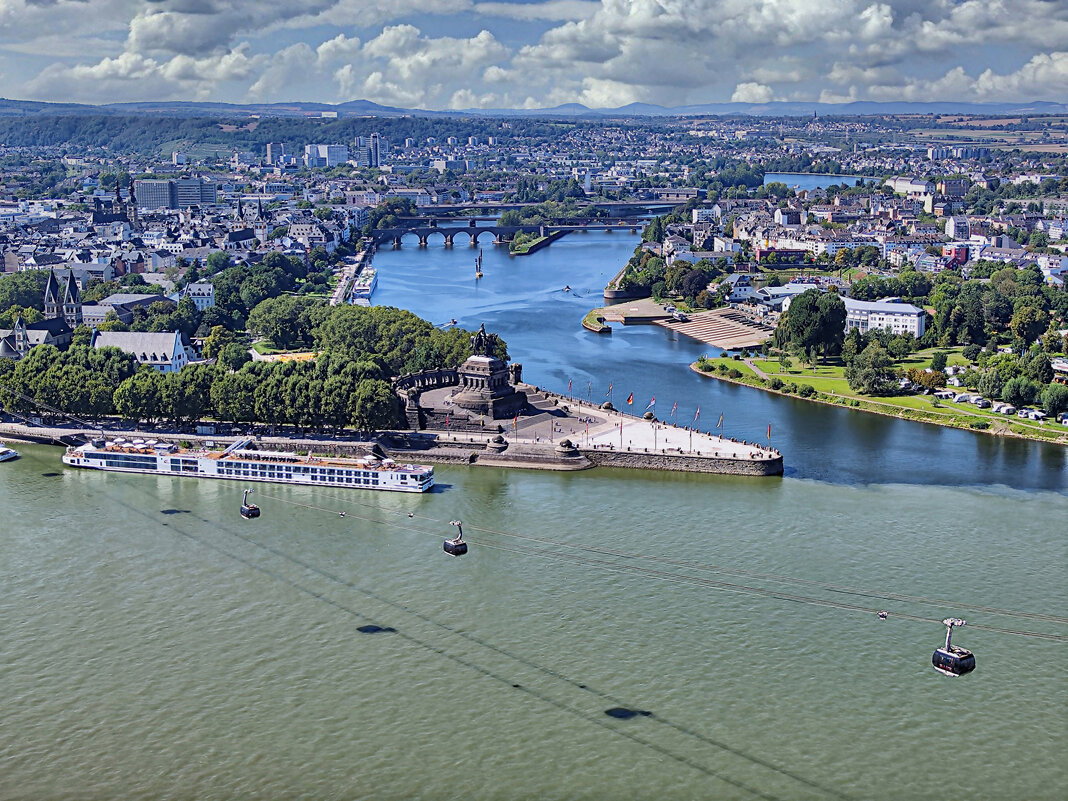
x=589, y=392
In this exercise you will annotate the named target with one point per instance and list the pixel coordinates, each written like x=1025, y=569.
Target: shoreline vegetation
x=917, y=408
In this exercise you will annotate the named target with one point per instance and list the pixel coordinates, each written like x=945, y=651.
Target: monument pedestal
x=485, y=388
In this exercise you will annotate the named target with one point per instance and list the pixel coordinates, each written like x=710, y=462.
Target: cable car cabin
x=249, y=510
x=950, y=659
x=953, y=661
x=455, y=547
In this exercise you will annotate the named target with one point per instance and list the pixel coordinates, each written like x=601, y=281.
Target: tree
x=1029, y=323
x=990, y=384
x=233, y=357
x=140, y=397
x=374, y=407
x=218, y=261
x=287, y=320
x=938, y=361
x=870, y=371
x=232, y=397
x=1020, y=391
x=218, y=339
x=1055, y=399
x=815, y=320
x=1039, y=369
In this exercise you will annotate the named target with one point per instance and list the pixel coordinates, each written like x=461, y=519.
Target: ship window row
x=270, y=471
x=298, y=470
x=128, y=460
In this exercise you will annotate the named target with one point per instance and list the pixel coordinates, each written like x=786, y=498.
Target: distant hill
x=366, y=108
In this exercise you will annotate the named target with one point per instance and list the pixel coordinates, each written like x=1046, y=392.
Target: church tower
x=51, y=297
x=72, y=302
x=22, y=344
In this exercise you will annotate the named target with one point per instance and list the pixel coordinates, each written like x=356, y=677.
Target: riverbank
x=538, y=442
x=952, y=417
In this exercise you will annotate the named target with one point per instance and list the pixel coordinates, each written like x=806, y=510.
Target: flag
x=569, y=386
x=609, y=393
x=652, y=403
x=720, y=423
x=515, y=422
x=446, y=420
x=769, y=432
x=630, y=399
x=674, y=407
x=698, y=414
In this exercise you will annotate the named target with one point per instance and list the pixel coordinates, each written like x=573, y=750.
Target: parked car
x=983, y=403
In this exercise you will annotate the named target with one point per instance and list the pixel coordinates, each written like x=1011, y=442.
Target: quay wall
x=458, y=450
x=685, y=463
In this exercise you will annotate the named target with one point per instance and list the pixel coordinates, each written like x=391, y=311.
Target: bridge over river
x=498, y=234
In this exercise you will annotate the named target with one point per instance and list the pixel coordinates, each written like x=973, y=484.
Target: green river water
x=154, y=645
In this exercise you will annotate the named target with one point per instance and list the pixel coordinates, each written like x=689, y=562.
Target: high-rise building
x=370, y=150
x=325, y=155
x=195, y=192
x=175, y=194
x=276, y=151
x=155, y=194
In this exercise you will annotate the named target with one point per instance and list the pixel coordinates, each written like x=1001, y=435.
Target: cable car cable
x=641, y=570
x=738, y=571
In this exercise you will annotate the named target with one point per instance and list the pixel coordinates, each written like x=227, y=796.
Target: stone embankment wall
x=541, y=243
x=685, y=463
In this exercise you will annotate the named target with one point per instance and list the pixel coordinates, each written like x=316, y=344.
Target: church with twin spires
x=62, y=314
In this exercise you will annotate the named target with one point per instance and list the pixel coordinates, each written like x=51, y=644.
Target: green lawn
x=265, y=347
x=828, y=381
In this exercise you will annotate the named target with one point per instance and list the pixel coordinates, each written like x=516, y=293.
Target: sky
x=456, y=54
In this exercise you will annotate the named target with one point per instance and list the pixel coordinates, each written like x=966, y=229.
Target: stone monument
x=485, y=385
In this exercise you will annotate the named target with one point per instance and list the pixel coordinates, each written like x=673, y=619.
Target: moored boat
x=239, y=462
x=7, y=454
x=365, y=283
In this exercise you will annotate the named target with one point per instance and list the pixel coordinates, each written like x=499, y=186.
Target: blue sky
x=452, y=54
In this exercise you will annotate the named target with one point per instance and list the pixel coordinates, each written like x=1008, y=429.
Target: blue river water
x=523, y=299
x=612, y=634
x=811, y=180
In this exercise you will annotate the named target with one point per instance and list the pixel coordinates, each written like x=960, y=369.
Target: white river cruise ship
x=240, y=463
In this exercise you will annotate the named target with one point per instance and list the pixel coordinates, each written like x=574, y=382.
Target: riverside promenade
x=554, y=433
x=557, y=432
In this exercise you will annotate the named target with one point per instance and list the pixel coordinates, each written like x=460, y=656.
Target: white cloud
x=601, y=53
x=752, y=93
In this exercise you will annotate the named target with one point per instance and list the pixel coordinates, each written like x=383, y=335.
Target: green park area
x=827, y=383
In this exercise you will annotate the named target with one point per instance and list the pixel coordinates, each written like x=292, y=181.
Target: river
x=811, y=180
x=156, y=646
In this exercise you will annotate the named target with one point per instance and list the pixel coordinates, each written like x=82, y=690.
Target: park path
x=760, y=373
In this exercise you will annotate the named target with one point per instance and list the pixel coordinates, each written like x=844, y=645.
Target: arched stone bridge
x=425, y=234
x=496, y=233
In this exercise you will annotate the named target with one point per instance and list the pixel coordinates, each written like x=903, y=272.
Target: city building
x=370, y=150
x=180, y=193
x=325, y=155
x=161, y=351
